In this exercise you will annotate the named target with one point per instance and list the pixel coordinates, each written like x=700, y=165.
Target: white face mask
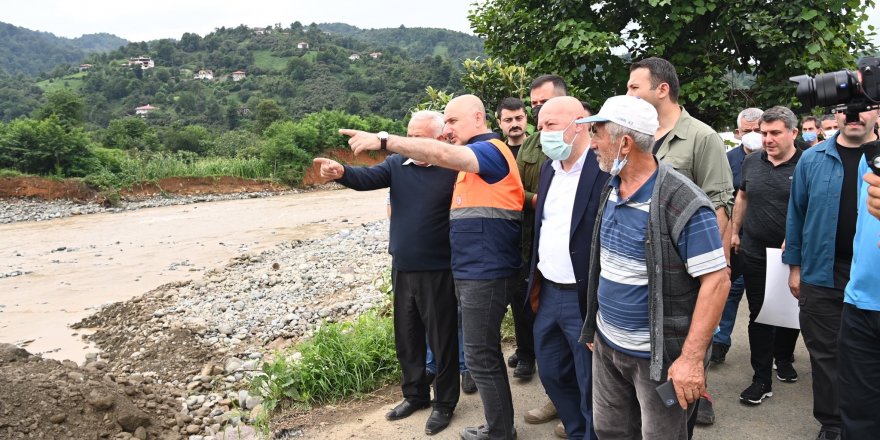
x=753, y=141
x=618, y=164
x=829, y=133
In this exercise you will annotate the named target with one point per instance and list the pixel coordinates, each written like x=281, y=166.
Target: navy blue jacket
x=420, y=201
x=583, y=221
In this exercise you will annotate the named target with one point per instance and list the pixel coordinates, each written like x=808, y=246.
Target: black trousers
x=859, y=349
x=425, y=303
x=523, y=318
x=766, y=342
x=820, y=310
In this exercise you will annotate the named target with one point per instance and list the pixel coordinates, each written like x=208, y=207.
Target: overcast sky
x=153, y=19
x=138, y=20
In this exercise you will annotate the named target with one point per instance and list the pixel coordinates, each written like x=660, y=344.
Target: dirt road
x=74, y=264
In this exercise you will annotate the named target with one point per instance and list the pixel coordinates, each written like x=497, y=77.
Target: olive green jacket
x=529, y=161
x=694, y=149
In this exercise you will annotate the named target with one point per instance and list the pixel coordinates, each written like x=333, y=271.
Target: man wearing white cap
x=657, y=282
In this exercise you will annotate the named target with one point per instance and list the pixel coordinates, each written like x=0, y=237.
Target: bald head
x=465, y=118
x=559, y=114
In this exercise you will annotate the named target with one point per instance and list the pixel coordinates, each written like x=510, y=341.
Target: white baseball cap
x=627, y=111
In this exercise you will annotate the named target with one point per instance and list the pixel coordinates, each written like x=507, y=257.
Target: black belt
x=561, y=286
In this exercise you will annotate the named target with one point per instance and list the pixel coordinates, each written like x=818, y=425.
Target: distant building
x=84, y=67
x=302, y=45
x=204, y=74
x=144, y=110
x=354, y=57
x=244, y=111
x=239, y=75
x=260, y=30
x=144, y=61
x=375, y=54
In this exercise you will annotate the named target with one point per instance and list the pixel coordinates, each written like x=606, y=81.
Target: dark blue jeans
x=483, y=305
x=728, y=316
x=859, y=364
x=565, y=366
x=431, y=366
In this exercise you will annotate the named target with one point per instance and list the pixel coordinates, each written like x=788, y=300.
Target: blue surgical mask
x=618, y=164
x=810, y=136
x=553, y=143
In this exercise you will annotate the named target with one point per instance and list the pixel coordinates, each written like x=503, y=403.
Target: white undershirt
x=554, y=260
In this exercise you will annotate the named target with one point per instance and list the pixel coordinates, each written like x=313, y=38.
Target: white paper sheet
x=780, y=307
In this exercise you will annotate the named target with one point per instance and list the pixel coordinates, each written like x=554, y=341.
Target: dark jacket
x=583, y=220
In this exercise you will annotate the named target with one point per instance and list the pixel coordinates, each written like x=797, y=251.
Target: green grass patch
x=311, y=56
x=441, y=49
x=124, y=170
x=6, y=172
x=73, y=81
x=265, y=60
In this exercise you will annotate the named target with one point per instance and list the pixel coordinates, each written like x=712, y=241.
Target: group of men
x=610, y=237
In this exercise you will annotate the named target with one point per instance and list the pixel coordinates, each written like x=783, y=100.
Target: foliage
x=45, y=147
x=131, y=133
x=64, y=104
x=493, y=80
x=31, y=52
x=130, y=168
x=436, y=100
x=704, y=39
x=415, y=42
x=341, y=360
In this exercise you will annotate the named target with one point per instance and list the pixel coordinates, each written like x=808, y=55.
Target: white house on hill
x=204, y=74
x=354, y=57
x=144, y=61
x=239, y=75
x=302, y=45
x=144, y=110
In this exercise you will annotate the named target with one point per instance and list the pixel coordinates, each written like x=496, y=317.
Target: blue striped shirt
x=623, y=279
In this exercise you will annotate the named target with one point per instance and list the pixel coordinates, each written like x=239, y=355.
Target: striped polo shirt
x=623, y=278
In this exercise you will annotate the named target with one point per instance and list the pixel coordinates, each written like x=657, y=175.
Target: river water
x=75, y=264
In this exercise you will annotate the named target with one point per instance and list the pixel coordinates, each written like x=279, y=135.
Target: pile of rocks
x=207, y=338
x=22, y=210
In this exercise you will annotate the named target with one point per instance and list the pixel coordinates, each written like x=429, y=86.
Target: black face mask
x=535, y=110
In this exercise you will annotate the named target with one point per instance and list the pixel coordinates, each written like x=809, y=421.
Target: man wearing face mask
x=657, y=281
x=828, y=124
x=528, y=162
x=568, y=200
x=820, y=229
x=749, y=133
x=810, y=130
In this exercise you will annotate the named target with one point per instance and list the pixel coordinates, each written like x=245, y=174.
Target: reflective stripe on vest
x=473, y=197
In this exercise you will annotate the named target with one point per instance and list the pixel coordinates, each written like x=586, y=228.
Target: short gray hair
x=645, y=142
x=436, y=118
x=750, y=114
x=780, y=113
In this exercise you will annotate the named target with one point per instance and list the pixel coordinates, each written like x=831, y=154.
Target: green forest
x=252, y=102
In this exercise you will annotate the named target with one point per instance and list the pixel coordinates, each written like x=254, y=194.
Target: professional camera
x=851, y=92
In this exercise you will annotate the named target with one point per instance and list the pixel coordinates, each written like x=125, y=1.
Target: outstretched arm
x=455, y=157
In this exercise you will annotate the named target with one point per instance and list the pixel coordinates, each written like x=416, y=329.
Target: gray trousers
x=625, y=400
x=483, y=305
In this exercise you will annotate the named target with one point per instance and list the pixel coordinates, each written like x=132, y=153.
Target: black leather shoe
x=468, y=386
x=524, y=369
x=513, y=360
x=405, y=409
x=438, y=421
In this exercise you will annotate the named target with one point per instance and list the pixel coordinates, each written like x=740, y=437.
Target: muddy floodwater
x=57, y=272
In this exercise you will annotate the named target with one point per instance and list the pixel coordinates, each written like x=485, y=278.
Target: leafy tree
x=45, y=147
x=236, y=143
x=493, y=80
x=704, y=39
x=131, y=133
x=267, y=112
x=192, y=138
x=66, y=105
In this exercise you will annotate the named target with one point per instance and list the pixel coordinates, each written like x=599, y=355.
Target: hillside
x=416, y=42
x=32, y=52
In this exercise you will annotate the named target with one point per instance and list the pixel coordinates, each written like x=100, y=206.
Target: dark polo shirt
x=767, y=189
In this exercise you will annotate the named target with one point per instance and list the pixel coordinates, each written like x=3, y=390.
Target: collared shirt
x=768, y=187
x=736, y=157
x=695, y=150
x=623, y=317
x=554, y=260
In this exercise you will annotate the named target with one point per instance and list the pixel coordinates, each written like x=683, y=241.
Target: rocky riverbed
x=35, y=210
x=183, y=353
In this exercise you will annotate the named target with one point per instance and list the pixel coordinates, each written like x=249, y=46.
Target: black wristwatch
x=383, y=138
